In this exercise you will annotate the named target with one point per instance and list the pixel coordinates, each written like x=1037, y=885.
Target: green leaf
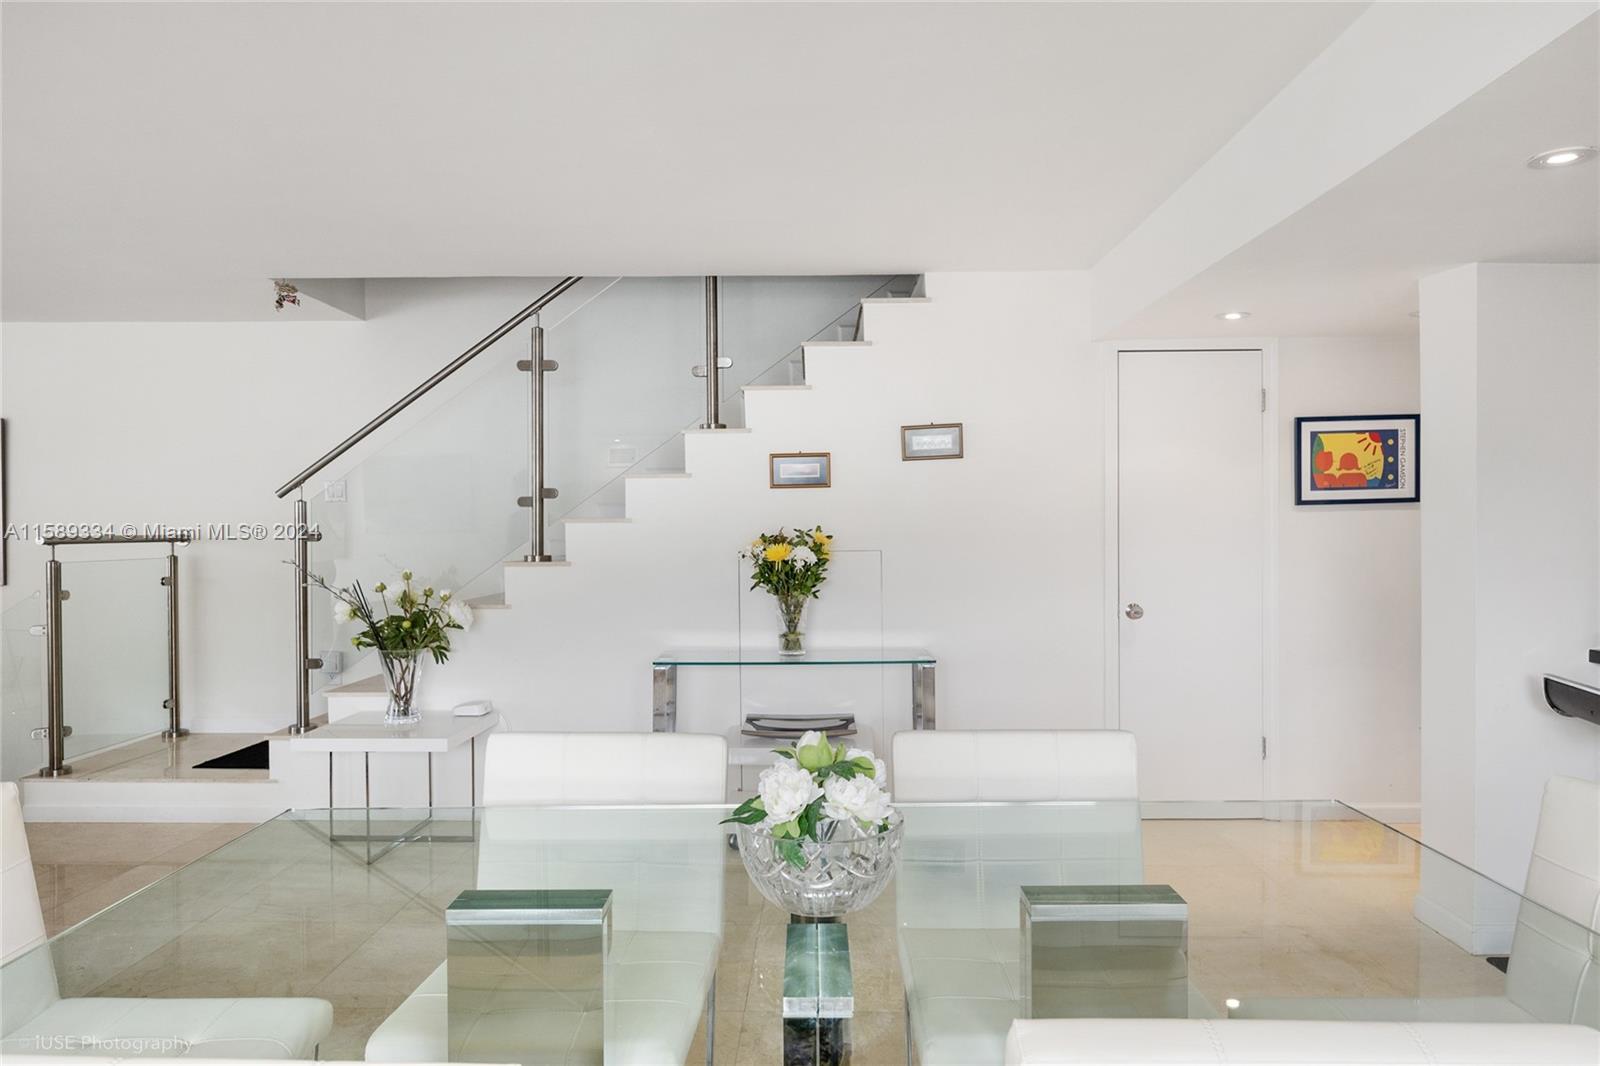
x=792, y=854
x=749, y=812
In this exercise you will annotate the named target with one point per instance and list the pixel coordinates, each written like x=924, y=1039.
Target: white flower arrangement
x=812, y=790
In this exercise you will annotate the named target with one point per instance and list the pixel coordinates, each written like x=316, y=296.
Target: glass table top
x=814, y=657
x=1311, y=912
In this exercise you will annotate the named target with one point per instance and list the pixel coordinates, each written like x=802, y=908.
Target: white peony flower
x=858, y=798
x=460, y=614
x=880, y=771
x=785, y=791
x=803, y=556
x=342, y=612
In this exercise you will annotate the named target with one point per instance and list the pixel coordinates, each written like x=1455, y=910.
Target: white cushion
x=1015, y=765
x=21, y=920
x=281, y=1028
x=527, y=769
x=1055, y=1042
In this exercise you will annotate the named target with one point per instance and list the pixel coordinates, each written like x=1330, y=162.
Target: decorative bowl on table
x=821, y=838
x=840, y=875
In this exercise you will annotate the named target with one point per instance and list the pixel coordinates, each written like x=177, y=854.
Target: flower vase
x=790, y=609
x=401, y=670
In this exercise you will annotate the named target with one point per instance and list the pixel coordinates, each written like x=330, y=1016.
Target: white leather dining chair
x=1064, y=1041
x=953, y=766
x=586, y=769
x=960, y=947
x=34, y=1017
x=666, y=893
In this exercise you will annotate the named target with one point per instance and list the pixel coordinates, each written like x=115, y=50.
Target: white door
x=1191, y=567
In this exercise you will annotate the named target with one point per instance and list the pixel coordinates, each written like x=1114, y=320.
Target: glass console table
x=1310, y=913
x=664, y=674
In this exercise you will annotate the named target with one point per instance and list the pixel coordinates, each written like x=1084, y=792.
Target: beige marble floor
x=1277, y=908
x=154, y=759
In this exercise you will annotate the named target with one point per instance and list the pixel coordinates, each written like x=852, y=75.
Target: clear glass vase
x=790, y=610
x=843, y=872
x=401, y=671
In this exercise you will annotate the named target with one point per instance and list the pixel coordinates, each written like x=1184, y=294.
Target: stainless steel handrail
x=423, y=389
x=177, y=536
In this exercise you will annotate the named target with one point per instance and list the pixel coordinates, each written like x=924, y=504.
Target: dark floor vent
x=251, y=757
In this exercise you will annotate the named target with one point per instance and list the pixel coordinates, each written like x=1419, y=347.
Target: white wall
x=1348, y=594
x=193, y=423
x=1511, y=520
x=994, y=562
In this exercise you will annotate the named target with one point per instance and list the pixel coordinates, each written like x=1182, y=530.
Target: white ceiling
x=1457, y=192
x=163, y=161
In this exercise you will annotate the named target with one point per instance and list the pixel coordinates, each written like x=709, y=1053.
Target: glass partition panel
x=22, y=675
x=113, y=651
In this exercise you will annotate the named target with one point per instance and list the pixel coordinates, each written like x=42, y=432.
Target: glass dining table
x=996, y=911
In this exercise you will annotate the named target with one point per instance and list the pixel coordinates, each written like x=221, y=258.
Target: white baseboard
x=1389, y=811
x=47, y=800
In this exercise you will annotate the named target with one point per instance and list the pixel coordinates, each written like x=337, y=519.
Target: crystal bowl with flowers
x=820, y=838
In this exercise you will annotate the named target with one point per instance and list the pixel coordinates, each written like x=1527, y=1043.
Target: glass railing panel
x=113, y=651
x=21, y=687
x=439, y=500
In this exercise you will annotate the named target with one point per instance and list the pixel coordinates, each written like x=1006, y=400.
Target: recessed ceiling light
x=1234, y=316
x=1562, y=157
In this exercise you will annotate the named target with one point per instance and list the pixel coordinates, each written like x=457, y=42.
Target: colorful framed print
x=800, y=470
x=1357, y=459
x=935, y=440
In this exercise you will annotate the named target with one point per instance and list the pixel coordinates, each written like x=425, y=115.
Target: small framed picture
x=1357, y=459
x=936, y=440
x=801, y=470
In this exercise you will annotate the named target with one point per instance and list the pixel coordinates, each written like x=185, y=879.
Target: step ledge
x=489, y=603
x=657, y=475
x=774, y=388
x=698, y=431
x=896, y=300
x=530, y=564
x=837, y=344
x=596, y=521
x=367, y=686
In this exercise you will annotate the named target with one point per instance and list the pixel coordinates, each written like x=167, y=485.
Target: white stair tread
x=838, y=344
x=775, y=388
x=594, y=520
x=657, y=474
x=896, y=300
x=548, y=562
x=697, y=431
x=495, y=601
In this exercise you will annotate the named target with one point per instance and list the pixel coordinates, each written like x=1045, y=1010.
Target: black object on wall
x=1573, y=699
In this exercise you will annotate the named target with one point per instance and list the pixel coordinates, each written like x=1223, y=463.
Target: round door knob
x=1134, y=612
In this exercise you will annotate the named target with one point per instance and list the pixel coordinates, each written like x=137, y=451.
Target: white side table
x=366, y=733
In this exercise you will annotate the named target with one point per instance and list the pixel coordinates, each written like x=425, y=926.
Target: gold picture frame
x=800, y=470
x=933, y=440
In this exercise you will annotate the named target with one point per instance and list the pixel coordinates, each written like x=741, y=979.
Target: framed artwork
x=936, y=440
x=800, y=470
x=1357, y=459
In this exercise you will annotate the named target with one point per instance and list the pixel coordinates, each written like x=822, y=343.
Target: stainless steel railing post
x=536, y=367
x=55, y=732
x=303, y=662
x=174, y=714
x=713, y=362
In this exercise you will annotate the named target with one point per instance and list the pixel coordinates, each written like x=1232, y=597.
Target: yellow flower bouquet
x=791, y=566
